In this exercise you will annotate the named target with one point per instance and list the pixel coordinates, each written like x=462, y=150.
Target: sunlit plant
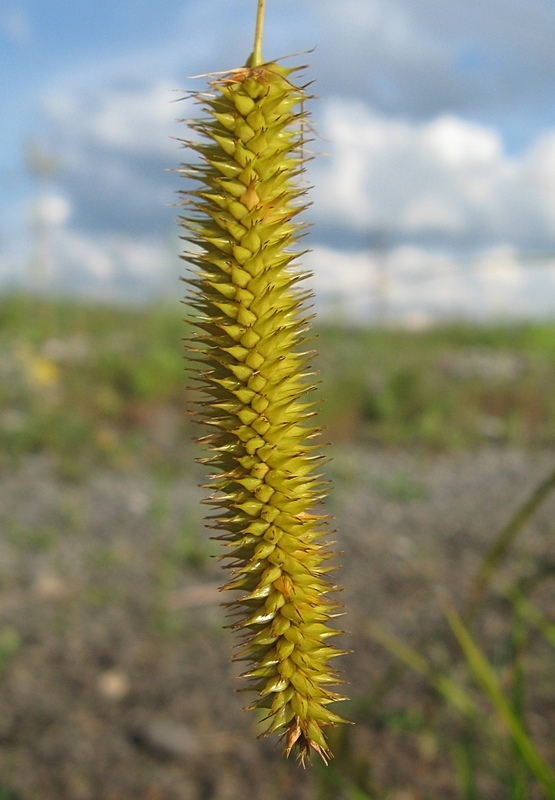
x=250, y=317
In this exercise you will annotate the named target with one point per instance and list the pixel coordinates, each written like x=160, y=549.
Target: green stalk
x=251, y=323
x=486, y=676
x=455, y=694
x=505, y=540
x=256, y=58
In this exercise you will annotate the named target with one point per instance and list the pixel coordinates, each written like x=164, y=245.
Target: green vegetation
x=98, y=384
x=446, y=387
x=90, y=383
x=488, y=693
x=10, y=643
x=7, y=794
x=93, y=385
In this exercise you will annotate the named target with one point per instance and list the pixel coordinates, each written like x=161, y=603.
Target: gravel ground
x=115, y=674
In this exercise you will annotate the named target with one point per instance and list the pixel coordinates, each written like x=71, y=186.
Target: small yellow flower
x=39, y=371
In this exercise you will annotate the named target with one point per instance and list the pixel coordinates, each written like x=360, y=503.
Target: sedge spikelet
x=250, y=318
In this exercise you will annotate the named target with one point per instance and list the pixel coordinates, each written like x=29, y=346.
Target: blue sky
x=437, y=120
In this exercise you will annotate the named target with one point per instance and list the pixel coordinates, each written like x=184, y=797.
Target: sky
x=434, y=182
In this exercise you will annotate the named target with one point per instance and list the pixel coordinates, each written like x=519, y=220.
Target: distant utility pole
x=381, y=278
x=42, y=166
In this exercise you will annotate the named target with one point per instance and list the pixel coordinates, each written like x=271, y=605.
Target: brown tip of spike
x=297, y=737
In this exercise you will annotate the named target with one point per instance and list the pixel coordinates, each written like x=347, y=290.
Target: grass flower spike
x=250, y=317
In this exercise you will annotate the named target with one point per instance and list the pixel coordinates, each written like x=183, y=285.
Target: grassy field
x=441, y=468
x=109, y=384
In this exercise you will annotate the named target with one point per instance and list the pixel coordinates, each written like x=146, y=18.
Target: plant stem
x=504, y=542
x=256, y=58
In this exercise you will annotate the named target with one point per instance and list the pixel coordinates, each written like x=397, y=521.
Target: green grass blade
x=463, y=761
x=529, y=612
x=450, y=690
x=505, y=540
x=485, y=675
x=520, y=778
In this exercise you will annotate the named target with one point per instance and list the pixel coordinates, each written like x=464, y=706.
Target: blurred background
x=433, y=197
x=433, y=261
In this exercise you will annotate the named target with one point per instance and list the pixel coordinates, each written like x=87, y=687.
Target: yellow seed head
x=250, y=320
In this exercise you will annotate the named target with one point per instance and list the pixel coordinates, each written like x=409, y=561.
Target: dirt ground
x=115, y=679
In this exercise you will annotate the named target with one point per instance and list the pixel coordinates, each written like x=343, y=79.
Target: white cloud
x=134, y=120
x=429, y=57
x=336, y=272
x=446, y=177
x=113, y=265
x=438, y=183
x=428, y=213
x=411, y=283
x=145, y=258
x=53, y=209
x=84, y=255
x=460, y=144
x=386, y=33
